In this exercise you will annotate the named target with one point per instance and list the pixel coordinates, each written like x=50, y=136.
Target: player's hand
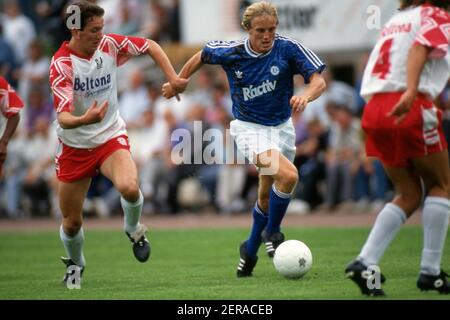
x=400, y=110
x=169, y=92
x=95, y=113
x=298, y=103
x=179, y=84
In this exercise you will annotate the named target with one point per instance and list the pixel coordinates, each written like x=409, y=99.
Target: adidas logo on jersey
x=254, y=92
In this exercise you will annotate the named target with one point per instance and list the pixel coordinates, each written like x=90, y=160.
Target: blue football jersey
x=262, y=85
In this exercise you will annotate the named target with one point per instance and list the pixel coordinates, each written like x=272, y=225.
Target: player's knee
x=289, y=179
x=446, y=187
x=129, y=190
x=71, y=227
x=412, y=198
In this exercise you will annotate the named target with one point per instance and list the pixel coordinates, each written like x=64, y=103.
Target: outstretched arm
x=193, y=64
x=189, y=68
x=312, y=91
x=160, y=57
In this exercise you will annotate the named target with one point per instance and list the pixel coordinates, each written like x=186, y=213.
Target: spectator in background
x=371, y=184
x=174, y=21
x=128, y=24
x=7, y=61
x=318, y=108
x=51, y=18
x=181, y=169
x=344, y=146
x=39, y=107
x=156, y=22
x=18, y=30
x=34, y=71
x=203, y=93
x=39, y=173
x=134, y=101
x=310, y=160
x=148, y=146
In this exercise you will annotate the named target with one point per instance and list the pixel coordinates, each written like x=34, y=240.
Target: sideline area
x=204, y=221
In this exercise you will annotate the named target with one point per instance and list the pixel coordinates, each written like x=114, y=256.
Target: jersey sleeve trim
x=311, y=56
x=12, y=103
x=61, y=83
x=131, y=45
x=434, y=31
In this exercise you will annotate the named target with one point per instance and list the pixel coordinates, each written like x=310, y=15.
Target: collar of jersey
x=66, y=44
x=253, y=53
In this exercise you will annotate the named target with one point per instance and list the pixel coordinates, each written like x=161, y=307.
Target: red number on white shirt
x=383, y=65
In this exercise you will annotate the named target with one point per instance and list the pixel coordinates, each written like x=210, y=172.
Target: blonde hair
x=258, y=9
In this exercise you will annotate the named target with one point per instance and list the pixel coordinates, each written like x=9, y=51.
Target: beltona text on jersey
x=90, y=84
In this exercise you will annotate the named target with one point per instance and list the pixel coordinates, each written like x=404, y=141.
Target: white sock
x=435, y=214
x=386, y=227
x=73, y=246
x=132, y=213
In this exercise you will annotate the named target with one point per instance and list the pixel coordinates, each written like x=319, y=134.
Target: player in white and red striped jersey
x=407, y=69
x=93, y=137
x=10, y=106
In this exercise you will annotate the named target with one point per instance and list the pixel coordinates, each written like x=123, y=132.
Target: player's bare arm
x=417, y=58
x=11, y=126
x=94, y=114
x=312, y=91
x=160, y=57
x=189, y=68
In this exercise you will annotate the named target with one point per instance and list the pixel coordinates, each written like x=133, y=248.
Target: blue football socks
x=260, y=219
x=278, y=203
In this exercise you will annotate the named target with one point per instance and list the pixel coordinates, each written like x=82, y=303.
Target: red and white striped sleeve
x=124, y=47
x=61, y=82
x=10, y=102
x=434, y=31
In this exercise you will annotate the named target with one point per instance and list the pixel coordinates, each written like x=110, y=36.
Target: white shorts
x=253, y=139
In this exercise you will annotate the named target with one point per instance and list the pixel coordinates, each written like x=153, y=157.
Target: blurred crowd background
x=334, y=173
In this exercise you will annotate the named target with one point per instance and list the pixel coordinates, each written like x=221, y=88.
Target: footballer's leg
x=249, y=248
x=386, y=226
x=435, y=216
x=120, y=168
x=285, y=177
x=71, y=198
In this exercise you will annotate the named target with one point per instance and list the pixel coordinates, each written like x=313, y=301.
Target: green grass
x=201, y=264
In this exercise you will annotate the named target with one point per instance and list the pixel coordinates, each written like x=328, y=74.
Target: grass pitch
x=201, y=264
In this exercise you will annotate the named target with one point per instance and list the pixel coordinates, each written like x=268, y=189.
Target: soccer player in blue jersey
x=260, y=72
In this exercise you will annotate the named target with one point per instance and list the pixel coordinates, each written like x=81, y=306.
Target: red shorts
x=74, y=164
x=418, y=135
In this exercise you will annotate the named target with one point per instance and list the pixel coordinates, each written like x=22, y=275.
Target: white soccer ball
x=292, y=259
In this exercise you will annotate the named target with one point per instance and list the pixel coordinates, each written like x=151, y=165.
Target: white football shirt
x=78, y=81
x=386, y=68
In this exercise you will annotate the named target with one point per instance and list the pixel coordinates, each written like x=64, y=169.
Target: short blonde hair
x=258, y=9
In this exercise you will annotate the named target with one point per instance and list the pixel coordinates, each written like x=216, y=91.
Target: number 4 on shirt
x=383, y=65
